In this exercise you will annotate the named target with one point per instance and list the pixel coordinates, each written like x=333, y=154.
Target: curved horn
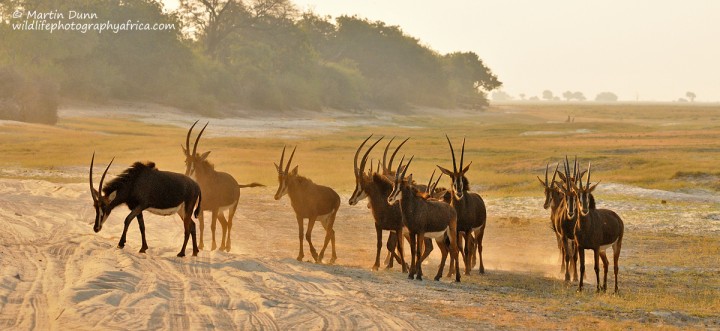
x=386, y=167
x=575, y=168
x=92, y=188
x=282, y=157
x=453, y=154
x=567, y=173
x=392, y=157
x=406, y=167
x=588, y=179
x=198, y=139
x=365, y=157
x=547, y=168
x=356, y=156
x=462, y=155
x=187, y=139
x=397, y=172
x=102, y=179
x=436, y=182
x=429, y=185
x=554, y=173
x=287, y=168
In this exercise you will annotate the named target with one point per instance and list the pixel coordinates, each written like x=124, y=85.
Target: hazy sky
x=651, y=49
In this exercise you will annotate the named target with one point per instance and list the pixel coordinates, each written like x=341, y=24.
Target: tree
x=547, y=95
x=522, y=96
x=214, y=21
x=579, y=96
x=691, y=96
x=568, y=95
x=606, y=97
x=500, y=95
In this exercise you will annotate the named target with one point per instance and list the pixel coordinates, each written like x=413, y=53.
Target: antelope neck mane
x=128, y=176
x=302, y=180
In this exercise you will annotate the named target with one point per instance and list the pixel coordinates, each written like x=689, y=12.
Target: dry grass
x=667, y=280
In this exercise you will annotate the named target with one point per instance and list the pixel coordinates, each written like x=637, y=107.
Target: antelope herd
x=455, y=217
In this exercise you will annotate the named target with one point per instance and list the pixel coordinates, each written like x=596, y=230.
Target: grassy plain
x=668, y=279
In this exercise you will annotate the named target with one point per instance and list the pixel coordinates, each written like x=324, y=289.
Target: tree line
x=224, y=54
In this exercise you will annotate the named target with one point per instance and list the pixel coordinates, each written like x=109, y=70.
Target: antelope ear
x=204, y=155
x=276, y=166
x=294, y=172
x=562, y=176
x=592, y=188
x=541, y=181
x=185, y=152
x=409, y=179
x=446, y=172
x=112, y=196
x=466, y=168
x=94, y=193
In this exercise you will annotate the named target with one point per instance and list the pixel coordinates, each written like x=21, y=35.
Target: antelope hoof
x=419, y=277
x=332, y=261
x=579, y=290
x=201, y=246
x=214, y=246
x=482, y=270
x=227, y=248
x=142, y=250
x=300, y=257
x=121, y=246
x=457, y=279
x=181, y=254
x=195, y=252
x=411, y=276
x=437, y=278
x=375, y=267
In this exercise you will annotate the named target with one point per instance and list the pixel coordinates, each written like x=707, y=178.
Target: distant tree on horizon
x=606, y=97
x=522, y=96
x=691, y=96
x=500, y=95
x=579, y=96
x=567, y=95
x=547, y=95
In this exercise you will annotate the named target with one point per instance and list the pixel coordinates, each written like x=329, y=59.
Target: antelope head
x=192, y=159
x=458, y=174
x=283, y=175
x=100, y=203
x=360, y=175
x=387, y=167
x=569, y=189
x=400, y=181
x=549, y=186
x=584, y=194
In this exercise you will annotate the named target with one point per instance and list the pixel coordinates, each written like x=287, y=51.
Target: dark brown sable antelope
x=595, y=229
x=376, y=188
x=311, y=201
x=425, y=218
x=143, y=187
x=221, y=190
x=470, y=208
x=562, y=224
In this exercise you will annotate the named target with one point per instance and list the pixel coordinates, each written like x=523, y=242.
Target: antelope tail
x=197, y=209
x=250, y=185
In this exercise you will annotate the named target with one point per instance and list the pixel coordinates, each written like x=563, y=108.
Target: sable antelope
x=595, y=229
x=376, y=188
x=310, y=201
x=423, y=217
x=470, y=208
x=222, y=191
x=143, y=187
x=564, y=226
x=553, y=201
